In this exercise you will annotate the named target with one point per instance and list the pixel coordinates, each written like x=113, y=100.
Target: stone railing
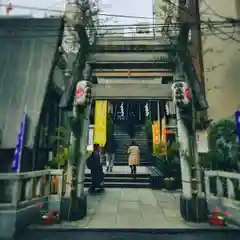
x=21, y=195
x=223, y=185
x=22, y=189
x=223, y=190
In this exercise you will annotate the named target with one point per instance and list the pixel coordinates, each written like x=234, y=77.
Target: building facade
x=221, y=56
x=214, y=47
x=32, y=83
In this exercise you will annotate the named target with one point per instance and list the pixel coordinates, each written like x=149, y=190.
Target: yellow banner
x=100, y=126
x=156, y=135
x=164, y=135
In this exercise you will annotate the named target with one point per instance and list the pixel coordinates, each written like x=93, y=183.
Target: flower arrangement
x=218, y=217
x=48, y=217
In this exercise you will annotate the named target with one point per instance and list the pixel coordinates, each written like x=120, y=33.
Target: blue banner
x=237, y=119
x=16, y=164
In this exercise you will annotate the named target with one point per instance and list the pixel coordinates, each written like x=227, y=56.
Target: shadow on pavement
x=128, y=234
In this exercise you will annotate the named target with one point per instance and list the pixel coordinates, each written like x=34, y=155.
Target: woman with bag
x=133, y=158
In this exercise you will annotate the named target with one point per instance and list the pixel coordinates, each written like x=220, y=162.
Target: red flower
x=227, y=213
x=41, y=206
x=50, y=215
x=216, y=210
x=216, y=221
x=53, y=211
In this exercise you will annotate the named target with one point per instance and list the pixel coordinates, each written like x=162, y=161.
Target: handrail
x=227, y=187
x=222, y=174
x=22, y=189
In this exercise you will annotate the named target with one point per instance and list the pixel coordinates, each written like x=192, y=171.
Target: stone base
x=157, y=182
x=70, y=212
x=194, y=209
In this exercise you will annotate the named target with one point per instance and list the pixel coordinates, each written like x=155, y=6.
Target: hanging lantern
x=9, y=8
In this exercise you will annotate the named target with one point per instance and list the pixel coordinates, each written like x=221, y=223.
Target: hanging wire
x=214, y=27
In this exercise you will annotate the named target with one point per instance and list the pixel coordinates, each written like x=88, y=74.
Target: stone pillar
x=193, y=208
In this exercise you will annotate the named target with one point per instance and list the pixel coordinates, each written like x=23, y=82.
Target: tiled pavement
x=133, y=208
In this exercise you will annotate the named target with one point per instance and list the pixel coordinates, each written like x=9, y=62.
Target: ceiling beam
x=132, y=91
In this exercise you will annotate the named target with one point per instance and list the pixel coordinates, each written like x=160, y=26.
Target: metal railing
x=19, y=190
x=224, y=186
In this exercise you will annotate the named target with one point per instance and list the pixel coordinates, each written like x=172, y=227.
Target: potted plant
x=169, y=180
x=60, y=160
x=169, y=162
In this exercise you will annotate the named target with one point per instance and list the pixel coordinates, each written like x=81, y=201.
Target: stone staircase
x=123, y=141
x=121, y=178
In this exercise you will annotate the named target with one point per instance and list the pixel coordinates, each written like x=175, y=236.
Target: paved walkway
x=132, y=208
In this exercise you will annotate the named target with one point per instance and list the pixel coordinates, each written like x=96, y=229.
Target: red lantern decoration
x=9, y=8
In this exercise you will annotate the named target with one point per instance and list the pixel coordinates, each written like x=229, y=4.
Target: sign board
x=237, y=119
x=16, y=164
x=202, y=141
x=90, y=138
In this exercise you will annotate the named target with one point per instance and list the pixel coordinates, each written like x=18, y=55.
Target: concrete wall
x=221, y=56
x=14, y=220
x=136, y=40
x=130, y=57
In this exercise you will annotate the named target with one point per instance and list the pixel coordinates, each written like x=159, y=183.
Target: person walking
x=102, y=156
x=133, y=157
x=131, y=124
x=95, y=166
x=110, y=149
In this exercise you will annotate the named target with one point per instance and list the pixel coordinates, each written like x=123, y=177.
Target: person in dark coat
x=131, y=124
x=110, y=150
x=95, y=166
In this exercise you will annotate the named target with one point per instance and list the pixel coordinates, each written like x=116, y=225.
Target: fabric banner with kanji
x=100, y=126
x=156, y=135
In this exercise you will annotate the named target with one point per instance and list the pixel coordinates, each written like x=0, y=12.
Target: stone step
x=122, y=180
x=126, y=179
x=143, y=156
x=122, y=185
x=125, y=163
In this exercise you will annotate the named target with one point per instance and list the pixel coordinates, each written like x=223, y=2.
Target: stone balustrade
x=21, y=195
x=224, y=185
x=223, y=190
